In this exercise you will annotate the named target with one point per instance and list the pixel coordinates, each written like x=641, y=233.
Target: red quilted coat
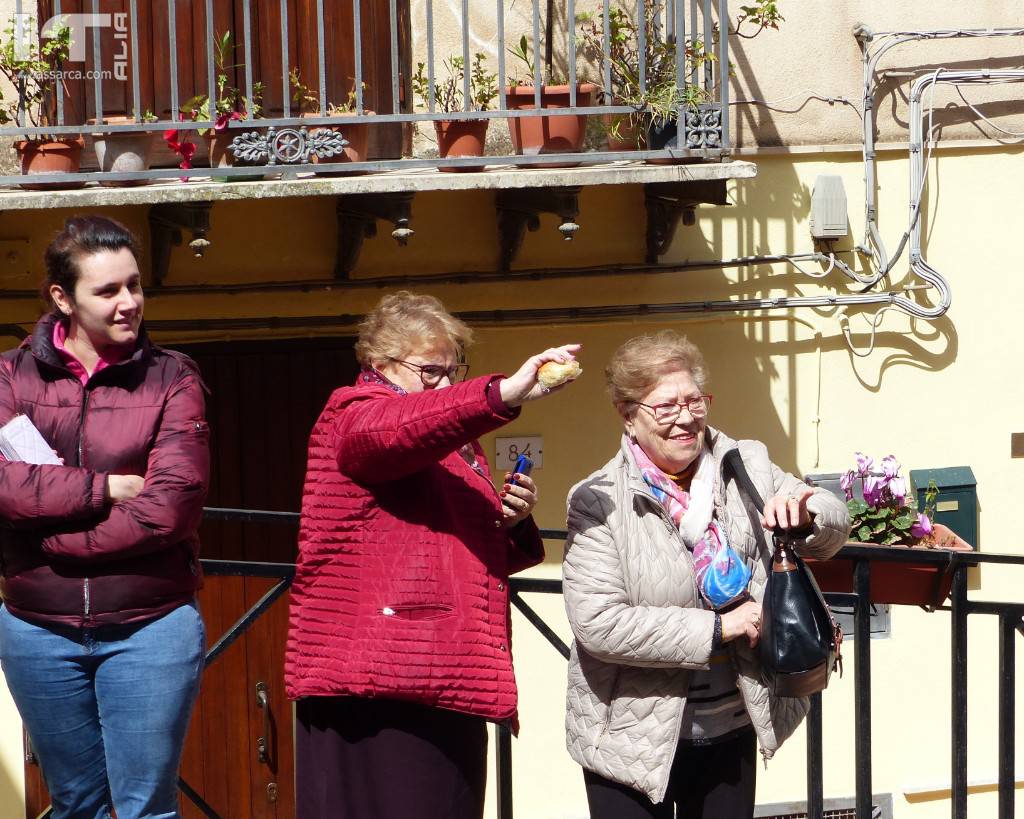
x=401, y=587
x=68, y=557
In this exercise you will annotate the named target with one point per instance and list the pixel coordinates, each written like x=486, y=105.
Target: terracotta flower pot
x=218, y=144
x=461, y=138
x=533, y=136
x=217, y=147
x=358, y=136
x=631, y=136
x=893, y=582
x=123, y=151
x=50, y=156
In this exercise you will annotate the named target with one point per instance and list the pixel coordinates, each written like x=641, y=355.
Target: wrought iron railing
x=676, y=70
x=1010, y=623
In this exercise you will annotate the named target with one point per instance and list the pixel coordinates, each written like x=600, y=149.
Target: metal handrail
x=1011, y=625
x=702, y=128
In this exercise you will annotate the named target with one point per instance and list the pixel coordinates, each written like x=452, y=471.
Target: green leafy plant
x=33, y=65
x=449, y=93
x=660, y=97
x=307, y=101
x=764, y=14
x=521, y=50
x=887, y=514
x=230, y=102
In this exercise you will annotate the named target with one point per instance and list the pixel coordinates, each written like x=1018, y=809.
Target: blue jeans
x=107, y=709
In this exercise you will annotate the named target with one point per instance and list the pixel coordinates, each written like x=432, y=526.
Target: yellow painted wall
x=936, y=395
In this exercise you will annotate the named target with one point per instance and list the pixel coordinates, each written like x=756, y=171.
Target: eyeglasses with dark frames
x=669, y=412
x=431, y=374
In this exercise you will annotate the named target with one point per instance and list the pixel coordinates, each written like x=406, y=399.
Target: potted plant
x=884, y=516
x=230, y=104
x=124, y=151
x=34, y=66
x=459, y=137
x=357, y=135
x=540, y=134
x=657, y=105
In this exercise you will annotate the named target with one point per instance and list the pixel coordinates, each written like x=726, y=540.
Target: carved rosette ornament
x=287, y=146
x=704, y=127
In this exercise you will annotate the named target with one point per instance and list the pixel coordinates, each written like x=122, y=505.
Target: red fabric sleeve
x=36, y=495
x=526, y=546
x=170, y=506
x=378, y=436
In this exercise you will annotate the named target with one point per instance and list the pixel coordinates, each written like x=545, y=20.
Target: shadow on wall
x=769, y=216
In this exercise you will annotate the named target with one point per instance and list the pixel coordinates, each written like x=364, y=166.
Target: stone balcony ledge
x=402, y=181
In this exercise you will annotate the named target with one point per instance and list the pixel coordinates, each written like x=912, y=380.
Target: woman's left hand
x=788, y=511
x=517, y=501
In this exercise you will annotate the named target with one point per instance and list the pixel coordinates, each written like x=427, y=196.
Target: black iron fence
x=1010, y=618
x=658, y=65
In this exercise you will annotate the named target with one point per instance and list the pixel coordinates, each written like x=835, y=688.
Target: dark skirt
x=361, y=758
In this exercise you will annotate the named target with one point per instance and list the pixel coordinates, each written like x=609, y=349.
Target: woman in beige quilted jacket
x=663, y=575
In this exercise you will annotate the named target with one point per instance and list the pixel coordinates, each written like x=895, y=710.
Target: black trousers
x=707, y=782
x=384, y=759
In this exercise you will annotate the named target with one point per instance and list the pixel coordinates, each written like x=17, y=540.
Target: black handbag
x=800, y=640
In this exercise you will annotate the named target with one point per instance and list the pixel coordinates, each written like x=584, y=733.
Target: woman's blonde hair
x=404, y=321
x=638, y=364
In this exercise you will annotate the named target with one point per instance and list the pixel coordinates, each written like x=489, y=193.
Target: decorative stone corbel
x=166, y=223
x=519, y=209
x=668, y=203
x=357, y=216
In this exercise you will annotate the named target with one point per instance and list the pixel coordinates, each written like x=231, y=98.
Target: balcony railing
x=293, y=84
x=1010, y=617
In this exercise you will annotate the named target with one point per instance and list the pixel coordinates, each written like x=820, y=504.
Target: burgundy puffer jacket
x=68, y=557
x=401, y=587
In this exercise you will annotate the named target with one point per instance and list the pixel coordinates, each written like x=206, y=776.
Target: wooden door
x=264, y=398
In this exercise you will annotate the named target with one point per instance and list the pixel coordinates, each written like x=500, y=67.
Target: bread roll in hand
x=552, y=374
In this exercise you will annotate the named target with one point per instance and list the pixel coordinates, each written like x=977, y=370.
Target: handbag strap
x=733, y=462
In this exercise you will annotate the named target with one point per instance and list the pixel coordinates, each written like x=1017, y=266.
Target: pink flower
x=922, y=527
x=221, y=123
x=864, y=464
x=186, y=149
x=873, y=486
x=890, y=466
x=898, y=489
x=846, y=483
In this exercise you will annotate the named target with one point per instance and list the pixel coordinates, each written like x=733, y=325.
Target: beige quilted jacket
x=635, y=610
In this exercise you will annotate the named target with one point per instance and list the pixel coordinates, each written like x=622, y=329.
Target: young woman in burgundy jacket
x=101, y=643
x=399, y=643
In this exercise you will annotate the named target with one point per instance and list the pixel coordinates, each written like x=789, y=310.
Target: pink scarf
x=721, y=576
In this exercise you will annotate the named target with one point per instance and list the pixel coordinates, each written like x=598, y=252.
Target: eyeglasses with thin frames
x=431, y=374
x=669, y=412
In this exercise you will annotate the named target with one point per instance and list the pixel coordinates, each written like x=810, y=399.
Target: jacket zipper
x=81, y=463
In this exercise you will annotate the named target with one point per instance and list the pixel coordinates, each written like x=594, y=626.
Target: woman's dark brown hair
x=82, y=236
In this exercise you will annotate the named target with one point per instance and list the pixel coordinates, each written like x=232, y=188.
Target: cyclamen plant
x=887, y=515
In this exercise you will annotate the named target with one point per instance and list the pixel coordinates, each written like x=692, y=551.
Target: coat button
x=502, y=646
x=501, y=587
x=497, y=524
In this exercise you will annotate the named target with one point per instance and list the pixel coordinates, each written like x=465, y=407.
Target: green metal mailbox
x=957, y=503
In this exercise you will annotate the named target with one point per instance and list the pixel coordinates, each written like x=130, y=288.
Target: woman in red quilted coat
x=101, y=643
x=399, y=645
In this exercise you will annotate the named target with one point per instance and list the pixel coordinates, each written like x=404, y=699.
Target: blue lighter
x=523, y=467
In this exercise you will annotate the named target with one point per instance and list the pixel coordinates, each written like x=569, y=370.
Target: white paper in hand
x=21, y=441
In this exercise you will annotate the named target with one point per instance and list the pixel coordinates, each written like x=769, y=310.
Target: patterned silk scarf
x=721, y=576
